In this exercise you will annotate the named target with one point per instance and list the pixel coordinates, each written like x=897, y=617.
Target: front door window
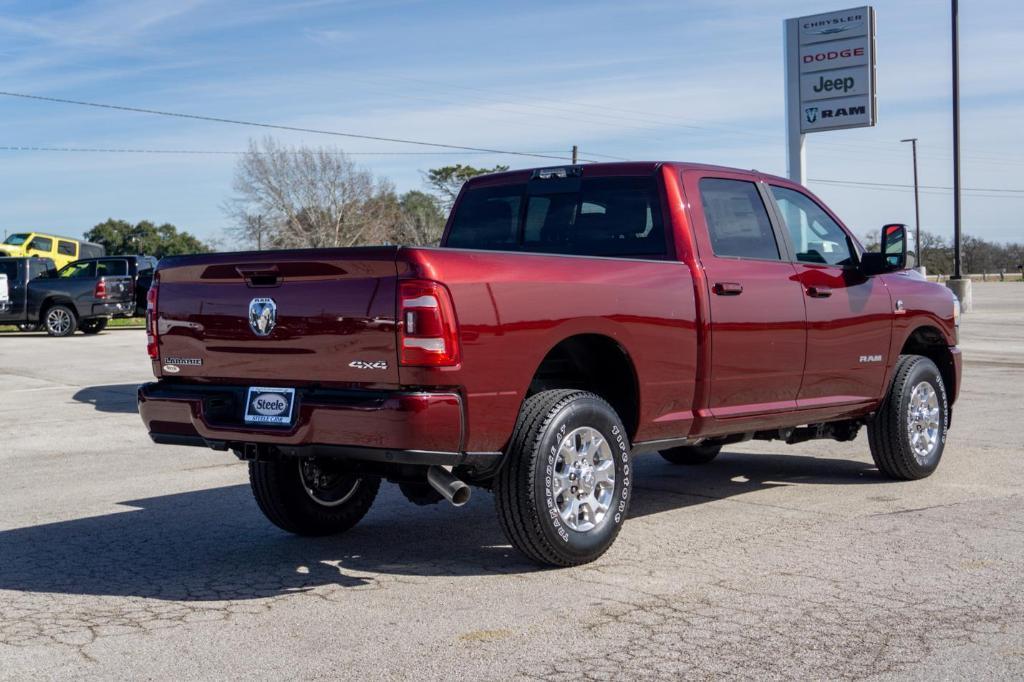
x=815, y=236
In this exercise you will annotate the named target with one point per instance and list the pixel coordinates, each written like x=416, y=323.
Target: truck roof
x=611, y=169
x=55, y=236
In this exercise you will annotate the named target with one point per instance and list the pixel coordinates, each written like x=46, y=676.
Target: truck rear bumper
x=381, y=426
x=111, y=309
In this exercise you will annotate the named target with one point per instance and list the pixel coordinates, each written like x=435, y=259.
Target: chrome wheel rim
x=58, y=321
x=583, y=479
x=923, y=421
x=325, y=487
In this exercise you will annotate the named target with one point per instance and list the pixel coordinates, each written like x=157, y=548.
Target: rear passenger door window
x=79, y=270
x=816, y=237
x=66, y=248
x=737, y=220
x=41, y=244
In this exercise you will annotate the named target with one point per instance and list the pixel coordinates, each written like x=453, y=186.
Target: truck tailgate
x=118, y=289
x=287, y=318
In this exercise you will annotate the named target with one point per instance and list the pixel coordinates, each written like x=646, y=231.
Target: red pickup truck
x=572, y=319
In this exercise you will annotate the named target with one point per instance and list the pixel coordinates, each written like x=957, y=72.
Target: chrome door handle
x=819, y=292
x=728, y=288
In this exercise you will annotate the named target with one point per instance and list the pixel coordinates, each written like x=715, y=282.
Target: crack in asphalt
x=867, y=612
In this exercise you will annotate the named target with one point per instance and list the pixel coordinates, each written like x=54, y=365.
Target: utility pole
x=917, y=204
x=960, y=286
x=575, y=154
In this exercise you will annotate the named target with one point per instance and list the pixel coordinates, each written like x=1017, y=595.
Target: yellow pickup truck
x=62, y=250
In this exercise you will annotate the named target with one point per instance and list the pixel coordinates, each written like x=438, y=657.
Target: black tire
x=60, y=320
x=420, y=494
x=94, y=326
x=280, y=489
x=692, y=455
x=889, y=431
x=527, y=505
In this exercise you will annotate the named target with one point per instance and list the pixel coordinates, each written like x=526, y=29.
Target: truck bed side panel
x=513, y=309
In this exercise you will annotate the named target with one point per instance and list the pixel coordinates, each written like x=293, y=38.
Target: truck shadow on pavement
x=212, y=545
x=120, y=398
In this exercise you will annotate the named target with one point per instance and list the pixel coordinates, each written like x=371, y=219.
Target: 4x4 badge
x=262, y=316
x=362, y=364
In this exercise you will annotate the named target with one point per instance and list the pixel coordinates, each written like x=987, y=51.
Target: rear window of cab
x=601, y=216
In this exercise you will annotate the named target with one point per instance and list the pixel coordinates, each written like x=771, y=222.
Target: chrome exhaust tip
x=450, y=487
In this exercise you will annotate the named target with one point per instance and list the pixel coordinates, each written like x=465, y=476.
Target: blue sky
x=643, y=80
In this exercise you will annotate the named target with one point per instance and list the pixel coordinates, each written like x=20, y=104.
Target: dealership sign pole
x=830, y=77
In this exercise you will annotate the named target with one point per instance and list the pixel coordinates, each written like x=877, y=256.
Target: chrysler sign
x=831, y=69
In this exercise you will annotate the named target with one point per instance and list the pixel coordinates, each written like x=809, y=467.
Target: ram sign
x=831, y=58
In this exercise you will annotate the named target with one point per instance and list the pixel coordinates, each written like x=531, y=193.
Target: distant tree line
x=301, y=197
x=979, y=256
x=144, y=238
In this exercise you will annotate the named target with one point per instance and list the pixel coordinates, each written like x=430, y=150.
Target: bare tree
x=303, y=197
x=249, y=228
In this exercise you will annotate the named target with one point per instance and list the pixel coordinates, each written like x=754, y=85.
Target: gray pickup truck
x=83, y=295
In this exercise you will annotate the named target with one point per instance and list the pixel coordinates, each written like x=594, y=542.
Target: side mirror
x=897, y=251
x=897, y=246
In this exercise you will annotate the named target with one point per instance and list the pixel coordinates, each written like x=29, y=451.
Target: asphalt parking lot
x=119, y=558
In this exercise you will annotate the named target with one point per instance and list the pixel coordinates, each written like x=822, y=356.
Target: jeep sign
x=829, y=84
x=831, y=57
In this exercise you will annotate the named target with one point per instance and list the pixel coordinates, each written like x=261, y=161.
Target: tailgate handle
x=259, y=275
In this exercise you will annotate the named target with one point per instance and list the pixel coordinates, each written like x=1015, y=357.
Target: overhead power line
x=904, y=186
x=862, y=184
x=118, y=150
x=273, y=126
x=220, y=152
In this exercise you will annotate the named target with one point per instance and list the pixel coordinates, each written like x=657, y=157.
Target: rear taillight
x=101, y=289
x=152, y=336
x=428, y=334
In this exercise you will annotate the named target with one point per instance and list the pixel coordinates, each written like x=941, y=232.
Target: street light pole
x=917, y=204
x=957, y=283
x=957, y=265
